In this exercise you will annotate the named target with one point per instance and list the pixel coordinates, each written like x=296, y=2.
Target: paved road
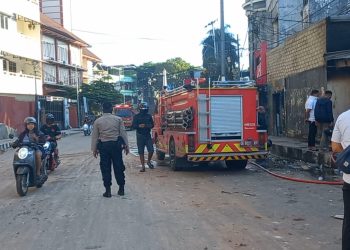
x=201, y=208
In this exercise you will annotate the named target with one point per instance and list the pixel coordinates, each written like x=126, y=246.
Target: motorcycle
x=24, y=166
x=53, y=160
x=86, y=129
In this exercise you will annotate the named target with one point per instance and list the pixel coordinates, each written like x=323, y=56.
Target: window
x=48, y=50
x=4, y=23
x=63, y=76
x=4, y=65
x=49, y=73
x=62, y=52
x=124, y=113
x=12, y=67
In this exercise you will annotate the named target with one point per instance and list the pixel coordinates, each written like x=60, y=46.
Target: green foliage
x=98, y=92
x=152, y=73
x=211, y=54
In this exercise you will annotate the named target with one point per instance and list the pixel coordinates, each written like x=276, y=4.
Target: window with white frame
x=48, y=48
x=63, y=76
x=62, y=52
x=75, y=55
x=49, y=73
x=4, y=22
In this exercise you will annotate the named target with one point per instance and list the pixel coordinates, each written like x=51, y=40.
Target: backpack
x=343, y=161
x=322, y=112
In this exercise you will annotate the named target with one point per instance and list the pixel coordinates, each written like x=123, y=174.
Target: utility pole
x=78, y=105
x=222, y=41
x=36, y=95
x=239, y=59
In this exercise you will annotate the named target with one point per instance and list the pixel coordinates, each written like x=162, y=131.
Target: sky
x=125, y=32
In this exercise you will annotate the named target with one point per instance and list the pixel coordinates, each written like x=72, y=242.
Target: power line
x=311, y=14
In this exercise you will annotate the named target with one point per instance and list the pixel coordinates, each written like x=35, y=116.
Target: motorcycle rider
x=54, y=133
x=88, y=122
x=31, y=134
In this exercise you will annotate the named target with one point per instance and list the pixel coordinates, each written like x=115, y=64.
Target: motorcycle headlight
x=23, y=153
x=46, y=145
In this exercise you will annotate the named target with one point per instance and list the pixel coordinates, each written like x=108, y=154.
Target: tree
x=211, y=55
x=152, y=73
x=100, y=91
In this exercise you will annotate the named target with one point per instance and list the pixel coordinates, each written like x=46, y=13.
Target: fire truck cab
x=196, y=124
x=126, y=112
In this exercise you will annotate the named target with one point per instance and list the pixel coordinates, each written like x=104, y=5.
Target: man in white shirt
x=340, y=140
x=310, y=118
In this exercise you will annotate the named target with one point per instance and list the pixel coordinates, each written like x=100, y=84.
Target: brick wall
x=301, y=52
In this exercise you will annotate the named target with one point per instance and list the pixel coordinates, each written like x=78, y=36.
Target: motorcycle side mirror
x=11, y=136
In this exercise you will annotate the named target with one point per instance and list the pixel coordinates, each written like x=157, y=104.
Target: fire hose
x=297, y=179
x=179, y=118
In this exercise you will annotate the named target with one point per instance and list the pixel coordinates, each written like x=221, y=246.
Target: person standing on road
x=143, y=123
x=106, y=141
x=341, y=140
x=310, y=118
x=324, y=117
x=262, y=125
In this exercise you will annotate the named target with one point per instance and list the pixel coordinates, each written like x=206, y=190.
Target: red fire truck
x=196, y=124
x=126, y=112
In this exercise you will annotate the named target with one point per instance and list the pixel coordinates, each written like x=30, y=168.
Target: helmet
x=143, y=106
x=50, y=118
x=30, y=119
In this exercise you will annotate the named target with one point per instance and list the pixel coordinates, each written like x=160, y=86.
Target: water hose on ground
x=297, y=179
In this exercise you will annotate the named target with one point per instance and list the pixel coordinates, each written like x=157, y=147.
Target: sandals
x=150, y=165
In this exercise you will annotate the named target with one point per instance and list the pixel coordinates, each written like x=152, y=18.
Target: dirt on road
x=200, y=208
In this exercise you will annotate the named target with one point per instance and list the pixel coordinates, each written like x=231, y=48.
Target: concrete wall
x=295, y=68
x=320, y=9
x=289, y=13
x=297, y=89
x=339, y=85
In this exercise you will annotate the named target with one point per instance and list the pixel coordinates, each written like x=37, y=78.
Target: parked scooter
x=86, y=129
x=24, y=166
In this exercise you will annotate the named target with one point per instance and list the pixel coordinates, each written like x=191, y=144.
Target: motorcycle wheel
x=22, y=181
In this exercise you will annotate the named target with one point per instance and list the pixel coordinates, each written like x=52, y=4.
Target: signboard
x=261, y=66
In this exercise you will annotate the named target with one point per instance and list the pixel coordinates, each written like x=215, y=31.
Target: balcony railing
x=19, y=83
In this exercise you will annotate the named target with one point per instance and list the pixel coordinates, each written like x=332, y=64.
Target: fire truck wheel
x=160, y=155
x=236, y=165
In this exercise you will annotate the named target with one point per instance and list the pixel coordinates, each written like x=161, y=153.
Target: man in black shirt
x=143, y=123
x=54, y=133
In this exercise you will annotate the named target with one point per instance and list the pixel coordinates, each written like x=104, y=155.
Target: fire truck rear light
x=191, y=146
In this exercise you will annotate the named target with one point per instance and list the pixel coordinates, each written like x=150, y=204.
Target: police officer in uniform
x=108, y=139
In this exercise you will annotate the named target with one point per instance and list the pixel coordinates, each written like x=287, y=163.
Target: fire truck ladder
x=204, y=126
